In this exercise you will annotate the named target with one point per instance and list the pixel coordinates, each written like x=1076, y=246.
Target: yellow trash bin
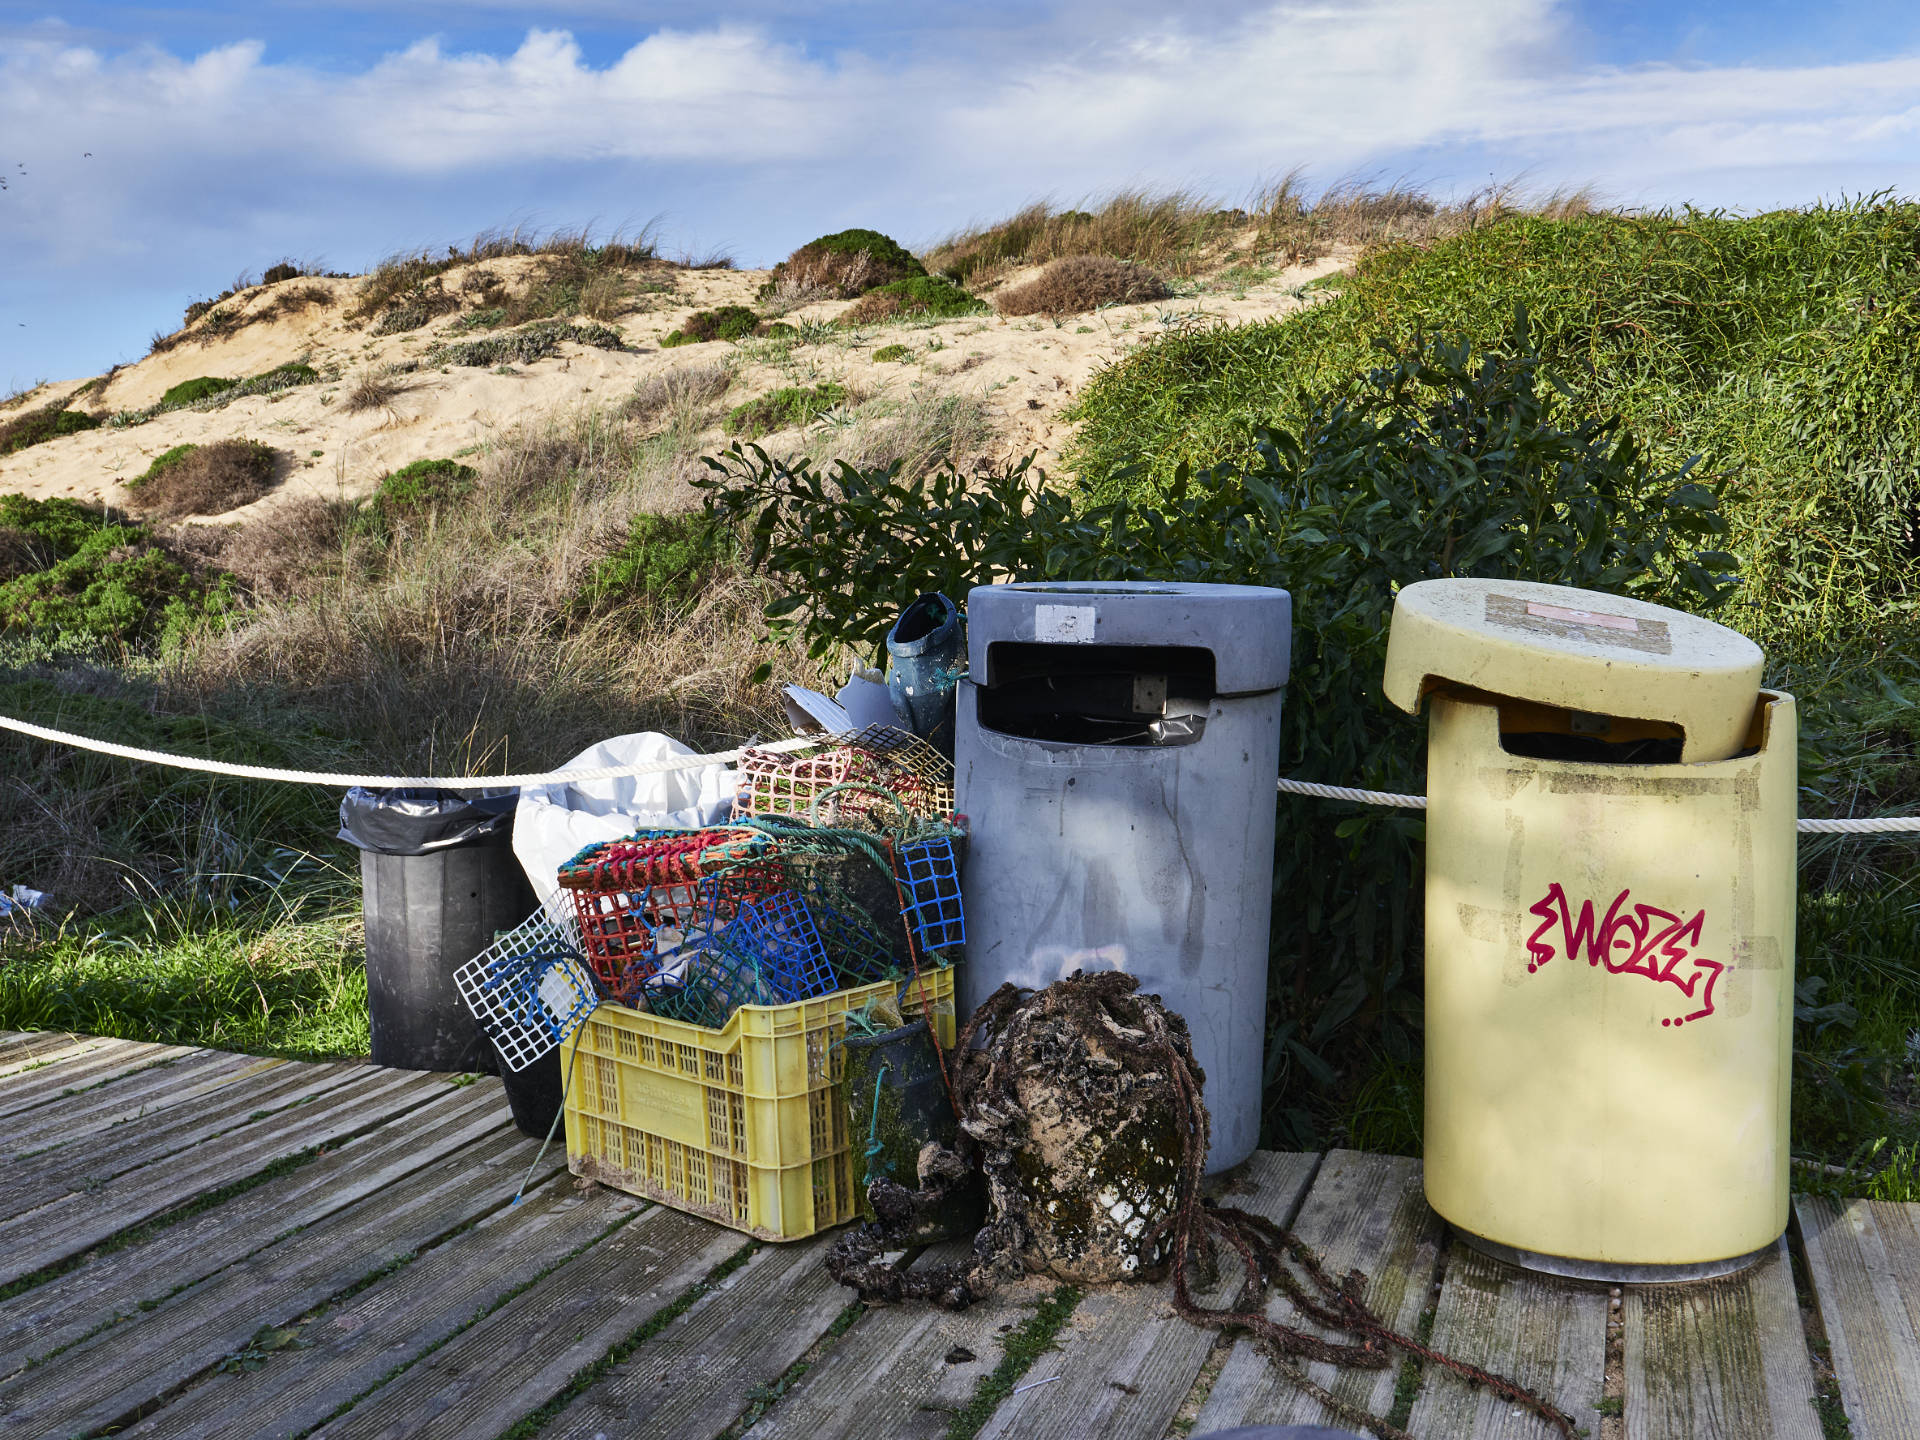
x=1609, y=928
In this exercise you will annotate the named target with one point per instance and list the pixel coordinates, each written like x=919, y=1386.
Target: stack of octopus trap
x=730, y=962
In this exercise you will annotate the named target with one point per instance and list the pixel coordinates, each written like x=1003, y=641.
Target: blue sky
x=225, y=136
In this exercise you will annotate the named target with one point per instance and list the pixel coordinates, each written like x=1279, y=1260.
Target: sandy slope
x=1026, y=371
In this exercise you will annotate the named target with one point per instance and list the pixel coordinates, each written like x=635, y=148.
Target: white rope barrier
x=1887, y=825
x=396, y=782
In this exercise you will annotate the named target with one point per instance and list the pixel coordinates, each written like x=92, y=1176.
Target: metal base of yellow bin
x=1606, y=1274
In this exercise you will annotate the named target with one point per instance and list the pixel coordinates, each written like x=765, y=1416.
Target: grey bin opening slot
x=1097, y=694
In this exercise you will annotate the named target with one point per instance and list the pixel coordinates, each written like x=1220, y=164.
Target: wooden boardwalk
x=200, y=1244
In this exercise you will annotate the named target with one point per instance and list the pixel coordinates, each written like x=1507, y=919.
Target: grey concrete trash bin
x=1116, y=751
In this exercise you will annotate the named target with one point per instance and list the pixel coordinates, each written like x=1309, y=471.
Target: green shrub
x=888, y=353
x=38, y=426
x=524, y=346
x=847, y=263
x=199, y=388
x=109, y=580
x=162, y=463
x=422, y=485
x=666, y=559
x=729, y=322
x=924, y=297
x=785, y=408
x=1444, y=461
x=1779, y=346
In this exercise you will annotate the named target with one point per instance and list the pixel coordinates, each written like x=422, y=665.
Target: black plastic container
x=533, y=1094
x=438, y=880
x=897, y=1099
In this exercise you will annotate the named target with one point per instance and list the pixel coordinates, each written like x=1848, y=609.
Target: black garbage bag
x=418, y=822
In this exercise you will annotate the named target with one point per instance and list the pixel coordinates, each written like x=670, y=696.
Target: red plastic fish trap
x=640, y=899
x=892, y=760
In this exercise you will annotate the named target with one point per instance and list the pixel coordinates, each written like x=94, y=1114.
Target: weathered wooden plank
x=518, y=1358
x=1127, y=1360
x=110, y=1287
x=692, y=1380
x=1548, y=1334
x=889, y=1375
x=59, y=1231
x=39, y=1048
x=1719, y=1360
x=1363, y=1212
x=36, y=1089
x=102, y=1382
x=148, y=1092
x=353, y=1346
x=1864, y=1262
x=64, y=1168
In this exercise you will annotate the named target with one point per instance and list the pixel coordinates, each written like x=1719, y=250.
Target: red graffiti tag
x=1629, y=940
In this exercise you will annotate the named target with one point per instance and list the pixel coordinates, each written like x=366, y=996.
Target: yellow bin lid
x=1579, y=650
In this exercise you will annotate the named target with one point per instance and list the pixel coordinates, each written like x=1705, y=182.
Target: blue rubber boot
x=926, y=656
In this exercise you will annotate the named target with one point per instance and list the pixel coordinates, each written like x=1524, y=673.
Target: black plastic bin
x=439, y=880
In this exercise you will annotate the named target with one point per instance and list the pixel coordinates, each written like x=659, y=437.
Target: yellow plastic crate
x=744, y=1125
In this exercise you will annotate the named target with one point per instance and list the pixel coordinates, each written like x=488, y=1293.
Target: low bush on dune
x=729, y=322
x=198, y=388
x=841, y=266
x=418, y=487
x=665, y=560
x=923, y=298
x=891, y=354
x=1081, y=283
x=680, y=393
x=36, y=427
x=524, y=346
x=102, y=579
x=206, y=479
x=786, y=408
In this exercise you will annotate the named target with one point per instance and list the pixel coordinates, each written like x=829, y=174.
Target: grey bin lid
x=1249, y=628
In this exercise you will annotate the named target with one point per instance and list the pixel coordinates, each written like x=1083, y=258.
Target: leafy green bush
x=891, y=353
x=526, y=345
x=108, y=580
x=1779, y=346
x=199, y=388
x=924, y=297
x=38, y=426
x=422, y=485
x=846, y=263
x=1444, y=461
x=729, y=322
x=784, y=408
x=666, y=559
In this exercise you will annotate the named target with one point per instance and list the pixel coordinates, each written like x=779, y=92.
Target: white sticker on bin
x=1582, y=617
x=1063, y=624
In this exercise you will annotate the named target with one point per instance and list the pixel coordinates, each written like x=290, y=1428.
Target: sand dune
x=1026, y=371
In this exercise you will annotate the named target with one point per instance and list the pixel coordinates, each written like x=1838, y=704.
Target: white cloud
x=227, y=148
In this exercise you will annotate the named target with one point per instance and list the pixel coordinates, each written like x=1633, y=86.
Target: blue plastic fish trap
x=929, y=874
x=857, y=955
x=769, y=953
x=528, y=991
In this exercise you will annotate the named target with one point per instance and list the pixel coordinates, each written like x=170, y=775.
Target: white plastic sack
x=553, y=823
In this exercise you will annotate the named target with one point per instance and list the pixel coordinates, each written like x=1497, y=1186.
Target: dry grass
x=681, y=394
x=374, y=390
x=22, y=553
x=1182, y=233
x=464, y=644
x=295, y=549
x=210, y=480
x=570, y=262
x=1080, y=283
x=921, y=431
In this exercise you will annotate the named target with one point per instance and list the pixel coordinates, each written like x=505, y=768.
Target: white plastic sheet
x=555, y=822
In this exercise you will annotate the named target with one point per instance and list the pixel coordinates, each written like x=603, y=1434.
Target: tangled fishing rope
x=1269, y=1253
